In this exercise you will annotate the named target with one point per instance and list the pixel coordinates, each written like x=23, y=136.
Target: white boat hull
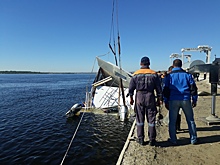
x=107, y=97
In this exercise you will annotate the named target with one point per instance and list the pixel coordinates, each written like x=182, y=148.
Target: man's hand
x=131, y=100
x=193, y=104
x=167, y=106
x=158, y=102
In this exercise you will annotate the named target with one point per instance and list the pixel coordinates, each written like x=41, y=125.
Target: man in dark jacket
x=180, y=88
x=145, y=81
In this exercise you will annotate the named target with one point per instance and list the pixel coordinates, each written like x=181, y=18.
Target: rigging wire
x=94, y=66
x=80, y=118
x=112, y=23
x=113, y=27
x=117, y=16
x=117, y=26
x=112, y=34
x=72, y=138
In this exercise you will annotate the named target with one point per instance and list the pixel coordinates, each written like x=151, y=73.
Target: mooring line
x=72, y=138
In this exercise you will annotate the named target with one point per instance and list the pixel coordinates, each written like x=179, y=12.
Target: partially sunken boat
x=110, y=86
x=106, y=86
x=106, y=92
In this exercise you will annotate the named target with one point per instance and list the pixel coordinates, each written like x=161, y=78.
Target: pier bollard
x=213, y=79
x=213, y=117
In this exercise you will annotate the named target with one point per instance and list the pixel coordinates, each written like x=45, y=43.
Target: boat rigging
x=111, y=81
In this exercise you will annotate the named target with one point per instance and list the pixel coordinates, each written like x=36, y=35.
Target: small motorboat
x=74, y=110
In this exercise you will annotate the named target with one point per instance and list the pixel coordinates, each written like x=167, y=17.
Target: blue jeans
x=174, y=107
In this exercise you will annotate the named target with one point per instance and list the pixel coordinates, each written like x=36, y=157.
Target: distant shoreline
x=30, y=72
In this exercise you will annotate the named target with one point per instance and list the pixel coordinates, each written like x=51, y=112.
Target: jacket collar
x=176, y=68
x=145, y=67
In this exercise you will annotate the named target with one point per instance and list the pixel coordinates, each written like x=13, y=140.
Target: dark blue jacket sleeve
x=193, y=89
x=132, y=87
x=166, y=90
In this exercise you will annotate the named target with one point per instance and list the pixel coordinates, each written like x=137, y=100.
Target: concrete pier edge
x=120, y=158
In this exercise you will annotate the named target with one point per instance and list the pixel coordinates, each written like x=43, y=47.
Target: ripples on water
x=34, y=129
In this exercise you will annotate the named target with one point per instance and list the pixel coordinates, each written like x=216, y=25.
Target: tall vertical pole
x=208, y=54
x=182, y=58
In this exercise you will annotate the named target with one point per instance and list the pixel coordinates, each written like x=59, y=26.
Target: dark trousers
x=150, y=114
x=178, y=121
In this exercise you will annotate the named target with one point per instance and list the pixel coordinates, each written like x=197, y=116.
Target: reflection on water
x=34, y=129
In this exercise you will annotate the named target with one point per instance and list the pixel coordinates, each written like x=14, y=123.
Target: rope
x=112, y=23
x=112, y=32
x=94, y=66
x=80, y=119
x=72, y=138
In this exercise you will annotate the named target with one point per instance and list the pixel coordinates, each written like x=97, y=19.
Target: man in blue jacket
x=178, y=121
x=179, y=89
x=145, y=81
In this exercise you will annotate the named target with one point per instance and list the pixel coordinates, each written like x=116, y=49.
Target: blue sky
x=67, y=35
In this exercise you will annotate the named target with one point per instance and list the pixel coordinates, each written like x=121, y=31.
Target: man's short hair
x=145, y=61
x=177, y=63
x=170, y=68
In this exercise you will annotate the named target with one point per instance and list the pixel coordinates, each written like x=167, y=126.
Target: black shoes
x=196, y=142
x=152, y=142
x=173, y=143
x=140, y=141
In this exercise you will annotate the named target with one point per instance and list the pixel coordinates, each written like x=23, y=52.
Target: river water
x=34, y=129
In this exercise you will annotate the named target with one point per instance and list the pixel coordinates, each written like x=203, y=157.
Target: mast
x=121, y=87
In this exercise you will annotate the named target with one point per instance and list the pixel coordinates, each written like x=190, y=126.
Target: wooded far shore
x=31, y=72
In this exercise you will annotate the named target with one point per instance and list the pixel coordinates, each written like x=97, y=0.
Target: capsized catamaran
x=105, y=88
x=110, y=87
x=105, y=91
x=107, y=69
